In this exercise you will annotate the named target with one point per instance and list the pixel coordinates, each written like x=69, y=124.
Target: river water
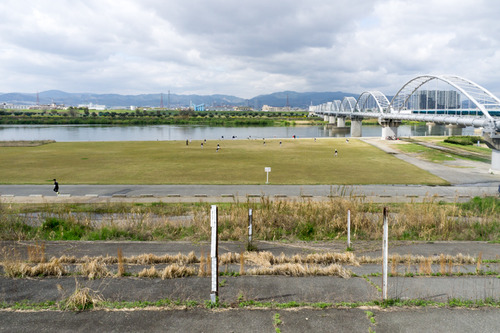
x=71, y=133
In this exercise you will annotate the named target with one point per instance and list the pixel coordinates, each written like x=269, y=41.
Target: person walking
x=336, y=152
x=56, y=186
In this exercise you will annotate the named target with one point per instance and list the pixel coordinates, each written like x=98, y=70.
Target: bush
x=464, y=140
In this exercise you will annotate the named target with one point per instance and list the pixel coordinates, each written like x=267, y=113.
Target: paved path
x=230, y=193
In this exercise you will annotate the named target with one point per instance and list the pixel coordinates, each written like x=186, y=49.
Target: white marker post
x=249, y=228
x=385, y=255
x=348, y=228
x=214, y=255
x=267, y=170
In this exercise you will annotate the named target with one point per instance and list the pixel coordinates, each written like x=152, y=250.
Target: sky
x=244, y=48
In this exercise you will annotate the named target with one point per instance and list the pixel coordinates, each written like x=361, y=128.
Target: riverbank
x=292, y=161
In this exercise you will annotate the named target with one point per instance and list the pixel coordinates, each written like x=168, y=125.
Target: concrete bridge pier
x=493, y=141
x=389, y=127
x=332, y=120
x=356, y=127
x=340, y=121
x=325, y=117
x=452, y=130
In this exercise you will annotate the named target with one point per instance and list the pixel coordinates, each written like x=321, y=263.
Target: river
x=72, y=133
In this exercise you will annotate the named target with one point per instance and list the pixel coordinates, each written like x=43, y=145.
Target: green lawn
x=300, y=161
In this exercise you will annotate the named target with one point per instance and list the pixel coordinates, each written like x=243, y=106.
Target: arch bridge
x=460, y=103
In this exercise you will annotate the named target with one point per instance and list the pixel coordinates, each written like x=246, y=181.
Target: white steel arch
x=348, y=104
x=336, y=105
x=482, y=98
x=380, y=100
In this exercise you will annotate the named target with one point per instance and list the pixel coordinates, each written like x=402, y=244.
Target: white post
x=385, y=255
x=214, y=255
x=348, y=228
x=267, y=170
x=250, y=226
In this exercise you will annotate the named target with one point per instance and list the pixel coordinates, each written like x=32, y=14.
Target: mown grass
x=307, y=220
x=426, y=152
x=299, y=161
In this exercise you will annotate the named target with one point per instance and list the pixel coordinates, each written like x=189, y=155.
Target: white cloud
x=243, y=48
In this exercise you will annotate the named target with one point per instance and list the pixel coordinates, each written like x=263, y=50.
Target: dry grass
x=302, y=219
x=412, y=259
x=149, y=259
x=301, y=270
x=151, y=272
x=242, y=263
x=23, y=143
x=36, y=253
x=121, y=266
x=175, y=271
x=16, y=268
x=81, y=299
x=266, y=258
x=203, y=269
x=94, y=269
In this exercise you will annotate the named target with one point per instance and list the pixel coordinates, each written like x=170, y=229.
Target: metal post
x=249, y=227
x=348, y=228
x=385, y=254
x=214, y=255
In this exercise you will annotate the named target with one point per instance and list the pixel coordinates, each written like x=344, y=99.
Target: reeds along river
x=68, y=133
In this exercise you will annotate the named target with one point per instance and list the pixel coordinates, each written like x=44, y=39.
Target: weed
x=176, y=271
x=277, y=322
x=94, y=269
x=121, y=267
x=36, y=253
x=82, y=298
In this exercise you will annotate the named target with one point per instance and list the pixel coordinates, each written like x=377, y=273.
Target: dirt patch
x=25, y=143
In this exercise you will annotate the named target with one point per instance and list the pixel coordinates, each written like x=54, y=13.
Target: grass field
x=300, y=161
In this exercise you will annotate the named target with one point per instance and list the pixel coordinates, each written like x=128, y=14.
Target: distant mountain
x=295, y=99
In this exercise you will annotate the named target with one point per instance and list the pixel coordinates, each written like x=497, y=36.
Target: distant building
x=435, y=99
x=92, y=106
x=268, y=108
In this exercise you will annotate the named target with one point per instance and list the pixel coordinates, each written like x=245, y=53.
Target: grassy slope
x=238, y=162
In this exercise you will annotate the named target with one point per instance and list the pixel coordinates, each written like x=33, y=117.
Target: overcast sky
x=244, y=48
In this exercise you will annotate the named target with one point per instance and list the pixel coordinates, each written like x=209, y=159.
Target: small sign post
x=267, y=170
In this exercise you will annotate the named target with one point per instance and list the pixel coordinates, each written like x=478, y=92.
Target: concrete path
x=279, y=289
x=241, y=193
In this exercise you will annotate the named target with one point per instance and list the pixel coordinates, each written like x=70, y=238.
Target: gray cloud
x=244, y=48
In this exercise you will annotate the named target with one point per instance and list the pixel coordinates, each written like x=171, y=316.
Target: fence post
x=214, y=255
x=348, y=228
x=249, y=228
x=385, y=255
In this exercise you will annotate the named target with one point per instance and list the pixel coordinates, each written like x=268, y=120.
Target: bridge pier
x=325, y=117
x=356, y=131
x=452, y=130
x=389, y=127
x=332, y=120
x=492, y=140
x=340, y=121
